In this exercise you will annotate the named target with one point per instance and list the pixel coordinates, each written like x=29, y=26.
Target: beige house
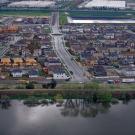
x=30, y=62
x=5, y=61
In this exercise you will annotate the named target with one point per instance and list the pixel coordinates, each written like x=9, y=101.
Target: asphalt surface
x=78, y=71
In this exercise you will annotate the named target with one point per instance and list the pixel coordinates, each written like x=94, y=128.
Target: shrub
x=93, y=86
x=30, y=86
x=105, y=97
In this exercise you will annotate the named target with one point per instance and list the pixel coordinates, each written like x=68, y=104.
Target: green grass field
x=24, y=13
x=121, y=14
x=97, y=86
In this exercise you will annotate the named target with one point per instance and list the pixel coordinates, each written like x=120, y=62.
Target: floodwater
x=92, y=119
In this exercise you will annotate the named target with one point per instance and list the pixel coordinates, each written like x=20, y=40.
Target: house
x=58, y=72
x=33, y=73
x=30, y=62
x=52, y=54
x=54, y=61
x=77, y=48
x=109, y=36
x=5, y=61
x=65, y=29
x=17, y=61
x=60, y=75
x=104, y=61
x=80, y=30
x=99, y=71
x=128, y=72
x=17, y=73
x=37, y=52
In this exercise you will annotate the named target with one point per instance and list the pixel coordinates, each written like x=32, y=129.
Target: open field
x=24, y=13
x=104, y=14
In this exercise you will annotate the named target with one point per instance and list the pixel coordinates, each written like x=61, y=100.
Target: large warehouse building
x=32, y=4
x=106, y=3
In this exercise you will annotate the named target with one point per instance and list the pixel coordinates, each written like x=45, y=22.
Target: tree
x=105, y=97
x=30, y=86
x=35, y=44
x=92, y=86
x=51, y=84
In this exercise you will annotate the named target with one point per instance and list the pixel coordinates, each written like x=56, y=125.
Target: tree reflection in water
x=5, y=105
x=5, y=102
x=75, y=107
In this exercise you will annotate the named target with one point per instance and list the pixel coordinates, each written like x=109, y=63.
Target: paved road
x=78, y=72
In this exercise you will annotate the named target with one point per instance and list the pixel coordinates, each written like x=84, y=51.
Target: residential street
x=78, y=72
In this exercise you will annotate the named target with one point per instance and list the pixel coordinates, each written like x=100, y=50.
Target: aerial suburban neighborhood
x=67, y=67
x=29, y=50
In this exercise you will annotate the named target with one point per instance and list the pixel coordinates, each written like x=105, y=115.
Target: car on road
x=72, y=58
x=71, y=72
x=68, y=78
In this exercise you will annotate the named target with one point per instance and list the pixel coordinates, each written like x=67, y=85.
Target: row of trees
x=52, y=84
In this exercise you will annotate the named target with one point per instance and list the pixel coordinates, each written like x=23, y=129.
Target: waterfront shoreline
x=43, y=91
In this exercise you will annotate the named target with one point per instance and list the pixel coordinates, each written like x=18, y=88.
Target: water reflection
x=81, y=107
x=68, y=107
x=5, y=102
x=5, y=105
x=72, y=117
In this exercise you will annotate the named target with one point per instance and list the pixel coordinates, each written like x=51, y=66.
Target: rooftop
x=17, y=60
x=106, y=3
x=32, y=4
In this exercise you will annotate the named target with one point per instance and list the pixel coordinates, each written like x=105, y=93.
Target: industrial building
x=106, y=3
x=32, y=4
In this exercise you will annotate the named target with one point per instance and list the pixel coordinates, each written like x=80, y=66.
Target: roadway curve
x=78, y=72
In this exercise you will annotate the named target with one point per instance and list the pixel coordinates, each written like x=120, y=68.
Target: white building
x=60, y=76
x=17, y=73
x=129, y=72
x=33, y=73
x=106, y=3
x=32, y=4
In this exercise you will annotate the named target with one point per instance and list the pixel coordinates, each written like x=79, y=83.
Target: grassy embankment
x=73, y=86
x=94, y=92
x=24, y=13
x=54, y=95
x=98, y=86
